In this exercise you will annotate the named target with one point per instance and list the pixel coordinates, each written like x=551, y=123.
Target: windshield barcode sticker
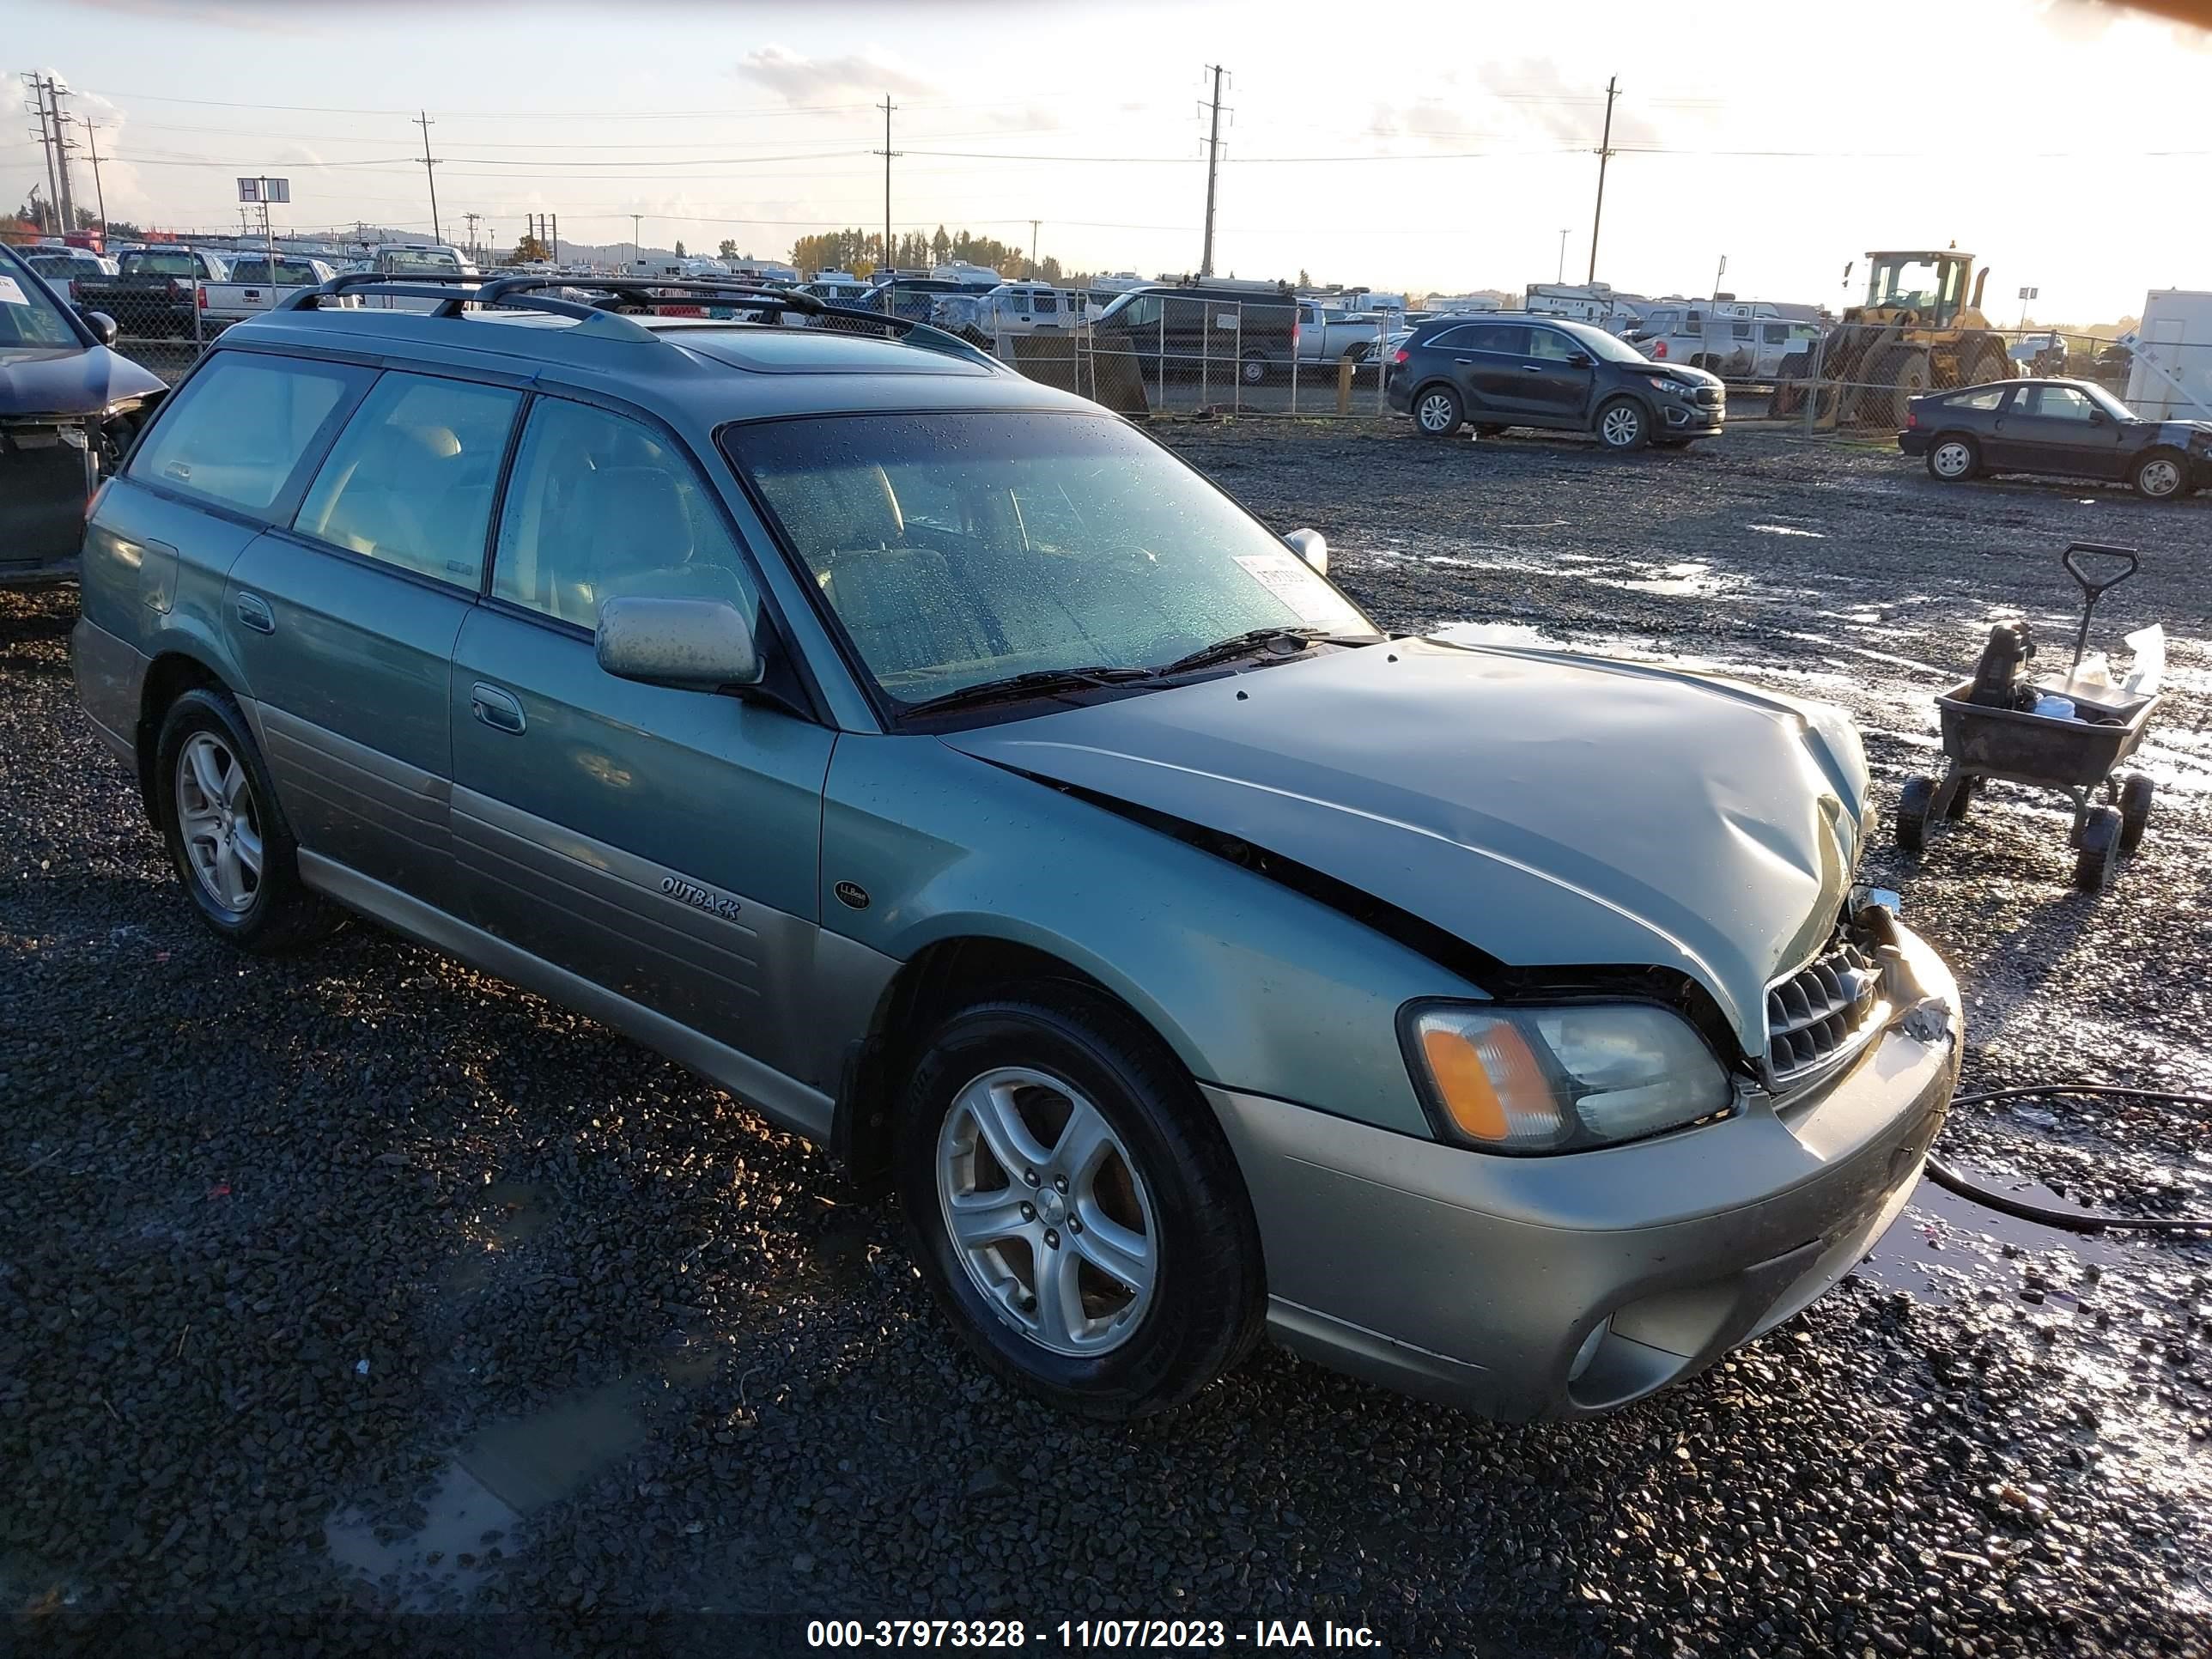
x=1292, y=581
x=12, y=292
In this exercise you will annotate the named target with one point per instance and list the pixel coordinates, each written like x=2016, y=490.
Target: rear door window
x=410, y=480
x=240, y=428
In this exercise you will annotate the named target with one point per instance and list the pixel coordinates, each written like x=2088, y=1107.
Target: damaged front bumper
x=1569, y=1285
x=48, y=466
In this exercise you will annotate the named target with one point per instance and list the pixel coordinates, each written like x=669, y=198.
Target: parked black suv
x=1507, y=369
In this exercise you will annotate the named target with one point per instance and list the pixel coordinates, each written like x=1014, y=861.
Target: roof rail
x=457, y=292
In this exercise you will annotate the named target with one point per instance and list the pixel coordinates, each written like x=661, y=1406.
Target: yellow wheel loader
x=1918, y=331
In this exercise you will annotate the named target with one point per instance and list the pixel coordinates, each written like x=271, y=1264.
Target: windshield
x=28, y=317
x=1912, y=283
x=956, y=549
x=2105, y=400
x=422, y=262
x=1609, y=347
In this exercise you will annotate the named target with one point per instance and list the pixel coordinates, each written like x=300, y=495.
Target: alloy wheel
x=219, y=822
x=1952, y=461
x=1436, y=413
x=2159, y=478
x=1622, y=426
x=1047, y=1211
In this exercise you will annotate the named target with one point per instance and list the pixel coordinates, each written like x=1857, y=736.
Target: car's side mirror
x=699, y=645
x=1578, y=359
x=101, y=324
x=2096, y=417
x=1310, y=545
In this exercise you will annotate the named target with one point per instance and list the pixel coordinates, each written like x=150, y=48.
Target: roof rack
x=524, y=292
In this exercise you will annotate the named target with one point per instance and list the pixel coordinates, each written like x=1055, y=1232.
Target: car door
x=1556, y=377
x=658, y=842
x=2053, y=427
x=1484, y=362
x=346, y=620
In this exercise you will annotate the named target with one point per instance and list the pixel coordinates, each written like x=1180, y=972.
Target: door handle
x=496, y=708
x=1531, y=368
x=253, y=612
x=1464, y=363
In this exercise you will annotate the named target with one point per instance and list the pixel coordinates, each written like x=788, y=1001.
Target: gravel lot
x=360, y=1298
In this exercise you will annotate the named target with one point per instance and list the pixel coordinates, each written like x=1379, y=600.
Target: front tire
x=1953, y=459
x=1623, y=425
x=226, y=836
x=2160, y=475
x=1074, y=1207
x=1438, y=412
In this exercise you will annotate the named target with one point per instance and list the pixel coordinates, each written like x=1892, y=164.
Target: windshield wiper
x=1245, y=644
x=1034, y=683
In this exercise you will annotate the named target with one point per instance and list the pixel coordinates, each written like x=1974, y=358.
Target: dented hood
x=1548, y=809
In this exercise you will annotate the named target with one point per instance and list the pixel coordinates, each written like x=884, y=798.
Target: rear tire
x=1438, y=412
x=226, y=837
x=2161, y=475
x=1894, y=379
x=1622, y=424
x=1253, y=370
x=1017, y=1081
x=1953, y=458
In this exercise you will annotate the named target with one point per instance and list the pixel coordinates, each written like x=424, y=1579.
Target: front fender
x=1253, y=986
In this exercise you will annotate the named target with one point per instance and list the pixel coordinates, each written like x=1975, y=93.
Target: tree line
x=861, y=250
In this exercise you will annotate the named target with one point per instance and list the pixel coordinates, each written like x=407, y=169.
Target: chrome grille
x=1817, y=1015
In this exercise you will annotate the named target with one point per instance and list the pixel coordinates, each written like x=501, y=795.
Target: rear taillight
x=1658, y=351
x=1912, y=417
x=1400, y=356
x=1294, y=333
x=203, y=298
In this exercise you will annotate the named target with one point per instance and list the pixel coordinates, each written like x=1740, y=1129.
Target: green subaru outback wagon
x=935, y=762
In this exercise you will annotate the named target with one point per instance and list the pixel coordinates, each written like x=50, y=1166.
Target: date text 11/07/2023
x=1088, y=1635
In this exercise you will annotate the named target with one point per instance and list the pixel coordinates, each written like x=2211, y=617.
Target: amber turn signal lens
x=1488, y=1081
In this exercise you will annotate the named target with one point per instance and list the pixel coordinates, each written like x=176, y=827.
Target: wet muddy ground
x=361, y=1298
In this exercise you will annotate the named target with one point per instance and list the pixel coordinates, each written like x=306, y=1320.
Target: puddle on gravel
x=437, y=1568
x=1787, y=530
x=508, y=1470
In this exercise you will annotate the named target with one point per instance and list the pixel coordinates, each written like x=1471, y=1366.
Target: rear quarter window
x=1981, y=400
x=238, y=430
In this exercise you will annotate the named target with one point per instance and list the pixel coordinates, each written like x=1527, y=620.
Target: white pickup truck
x=249, y=292
x=1327, y=335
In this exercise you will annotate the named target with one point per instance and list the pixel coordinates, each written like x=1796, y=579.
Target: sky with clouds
x=1435, y=148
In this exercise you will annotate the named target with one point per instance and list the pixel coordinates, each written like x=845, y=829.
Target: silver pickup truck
x=249, y=292
x=1327, y=335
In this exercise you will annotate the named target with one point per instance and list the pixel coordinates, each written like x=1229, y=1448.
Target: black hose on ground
x=2074, y=1221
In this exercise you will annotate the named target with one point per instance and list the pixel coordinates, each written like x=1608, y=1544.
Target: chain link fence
x=1181, y=355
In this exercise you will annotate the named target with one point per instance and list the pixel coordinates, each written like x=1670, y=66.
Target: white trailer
x=2170, y=367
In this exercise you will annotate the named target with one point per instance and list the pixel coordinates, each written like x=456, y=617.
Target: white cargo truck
x=2170, y=362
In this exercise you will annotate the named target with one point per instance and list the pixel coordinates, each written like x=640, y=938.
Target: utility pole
x=1033, y=224
x=429, y=171
x=556, y=241
x=99, y=195
x=1212, y=164
x=62, y=145
x=1604, y=154
x=1562, y=275
x=45, y=143
x=887, y=152
x=1717, y=275
x=636, y=231
x=475, y=248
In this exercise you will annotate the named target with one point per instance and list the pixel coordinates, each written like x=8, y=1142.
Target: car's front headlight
x=1552, y=1079
x=1668, y=383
